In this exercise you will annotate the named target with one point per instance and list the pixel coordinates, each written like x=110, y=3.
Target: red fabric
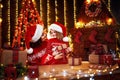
x=48, y=58
x=33, y=72
x=38, y=52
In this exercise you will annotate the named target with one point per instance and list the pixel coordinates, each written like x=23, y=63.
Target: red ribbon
x=15, y=56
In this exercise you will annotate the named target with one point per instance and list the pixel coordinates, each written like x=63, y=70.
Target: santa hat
x=33, y=34
x=59, y=28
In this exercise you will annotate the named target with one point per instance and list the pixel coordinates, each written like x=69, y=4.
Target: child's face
x=52, y=33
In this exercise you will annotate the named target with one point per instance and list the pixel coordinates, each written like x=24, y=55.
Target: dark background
x=115, y=12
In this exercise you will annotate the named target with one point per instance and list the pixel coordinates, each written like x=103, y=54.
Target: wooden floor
x=57, y=68
x=59, y=73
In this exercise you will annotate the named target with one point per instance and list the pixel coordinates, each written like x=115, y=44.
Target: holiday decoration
x=33, y=72
x=77, y=38
x=93, y=8
x=28, y=17
x=14, y=57
x=92, y=36
x=74, y=61
x=12, y=71
x=108, y=34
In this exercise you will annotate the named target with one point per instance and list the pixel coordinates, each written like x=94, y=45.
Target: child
x=57, y=45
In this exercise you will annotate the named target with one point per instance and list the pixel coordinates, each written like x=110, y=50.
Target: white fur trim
x=66, y=39
x=55, y=27
x=38, y=33
x=30, y=50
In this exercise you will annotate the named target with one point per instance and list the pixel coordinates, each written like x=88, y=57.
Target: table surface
x=67, y=72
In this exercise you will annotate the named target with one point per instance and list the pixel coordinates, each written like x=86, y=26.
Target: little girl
x=57, y=45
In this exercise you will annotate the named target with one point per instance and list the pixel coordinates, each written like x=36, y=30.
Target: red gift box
x=33, y=72
x=10, y=73
x=106, y=59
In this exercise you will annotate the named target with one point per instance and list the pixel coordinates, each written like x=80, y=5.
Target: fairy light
x=65, y=9
x=1, y=6
x=48, y=12
x=56, y=12
x=8, y=22
x=74, y=5
x=109, y=5
x=16, y=12
x=41, y=14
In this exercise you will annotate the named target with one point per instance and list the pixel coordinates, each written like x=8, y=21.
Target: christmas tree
x=28, y=16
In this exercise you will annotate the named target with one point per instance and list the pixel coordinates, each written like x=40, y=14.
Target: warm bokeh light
x=80, y=24
x=1, y=6
x=0, y=20
x=96, y=0
x=88, y=1
x=109, y=21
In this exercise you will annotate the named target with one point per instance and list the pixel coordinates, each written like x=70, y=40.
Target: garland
x=93, y=9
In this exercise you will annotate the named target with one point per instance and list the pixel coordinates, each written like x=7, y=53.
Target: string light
x=56, y=12
x=109, y=5
x=65, y=9
x=16, y=12
x=1, y=6
x=8, y=22
x=41, y=14
x=48, y=12
x=74, y=5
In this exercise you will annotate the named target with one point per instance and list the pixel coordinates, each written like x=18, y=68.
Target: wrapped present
x=106, y=59
x=101, y=59
x=13, y=56
x=74, y=61
x=93, y=58
x=33, y=71
x=10, y=73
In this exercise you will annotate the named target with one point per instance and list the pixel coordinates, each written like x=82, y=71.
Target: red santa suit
x=56, y=47
x=36, y=48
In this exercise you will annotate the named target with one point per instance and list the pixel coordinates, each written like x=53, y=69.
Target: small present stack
x=99, y=55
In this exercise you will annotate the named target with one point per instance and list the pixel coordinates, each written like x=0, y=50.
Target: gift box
x=33, y=72
x=106, y=59
x=13, y=56
x=10, y=73
x=93, y=58
x=101, y=59
x=74, y=61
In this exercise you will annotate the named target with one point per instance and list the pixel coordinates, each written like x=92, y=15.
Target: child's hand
x=59, y=56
